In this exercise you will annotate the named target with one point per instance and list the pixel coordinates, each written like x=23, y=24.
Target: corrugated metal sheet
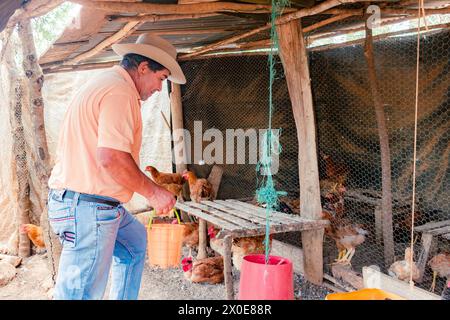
x=7, y=9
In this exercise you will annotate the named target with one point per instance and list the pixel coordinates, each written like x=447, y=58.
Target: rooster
x=347, y=236
x=402, y=269
x=34, y=233
x=440, y=264
x=172, y=182
x=208, y=270
x=200, y=189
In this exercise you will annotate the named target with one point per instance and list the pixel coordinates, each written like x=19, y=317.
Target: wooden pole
x=124, y=32
x=42, y=160
x=159, y=18
x=386, y=201
x=197, y=8
x=227, y=243
x=281, y=20
x=17, y=94
x=295, y=63
x=177, y=124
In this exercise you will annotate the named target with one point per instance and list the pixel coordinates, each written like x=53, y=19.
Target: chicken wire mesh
x=232, y=92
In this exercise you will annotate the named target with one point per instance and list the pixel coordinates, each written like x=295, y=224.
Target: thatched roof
x=193, y=25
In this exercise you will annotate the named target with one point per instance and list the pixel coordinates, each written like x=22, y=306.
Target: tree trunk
x=42, y=159
x=19, y=152
x=386, y=202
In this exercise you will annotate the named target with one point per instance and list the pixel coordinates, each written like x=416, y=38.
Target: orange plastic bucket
x=164, y=244
x=364, y=294
x=272, y=281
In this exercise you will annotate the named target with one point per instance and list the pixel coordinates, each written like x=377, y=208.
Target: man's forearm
x=122, y=168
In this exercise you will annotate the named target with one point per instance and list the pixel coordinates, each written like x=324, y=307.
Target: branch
x=197, y=8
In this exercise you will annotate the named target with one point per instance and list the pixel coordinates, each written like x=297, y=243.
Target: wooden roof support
x=196, y=8
x=390, y=11
x=295, y=63
x=159, y=18
x=119, y=35
x=320, y=8
x=386, y=182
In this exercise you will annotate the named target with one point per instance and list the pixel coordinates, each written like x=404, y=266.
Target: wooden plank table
x=237, y=219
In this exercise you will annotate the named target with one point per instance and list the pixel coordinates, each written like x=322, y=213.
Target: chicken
x=402, y=269
x=172, y=182
x=336, y=172
x=34, y=233
x=200, y=189
x=440, y=264
x=247, y=245
x=190, y=236
x=208, y=270
x=164, y=178
x=242, y=246
x=346, y=234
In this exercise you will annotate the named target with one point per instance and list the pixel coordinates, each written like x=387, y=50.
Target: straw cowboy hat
x=155, y=48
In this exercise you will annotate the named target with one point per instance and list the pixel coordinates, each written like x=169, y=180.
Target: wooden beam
x=227, y=268
x=176, y=108
x=185, y=31
x=386, y=202
x=197, y=8
x=281, y=20
x=328, y=21
x=295, y=63
x=159, y=18
x=119, y=35
x=378, y=37
x=373, y=278
x=389, y=11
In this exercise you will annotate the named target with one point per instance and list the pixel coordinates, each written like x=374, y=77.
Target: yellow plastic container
x=364, y=294
x=164, y=244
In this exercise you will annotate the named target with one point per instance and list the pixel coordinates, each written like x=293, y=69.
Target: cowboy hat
x=155, y=48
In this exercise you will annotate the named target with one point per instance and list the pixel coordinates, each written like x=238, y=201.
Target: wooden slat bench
x=237, y=219
x=429, y=231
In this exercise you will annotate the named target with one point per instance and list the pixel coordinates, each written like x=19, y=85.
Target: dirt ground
x=32, y=283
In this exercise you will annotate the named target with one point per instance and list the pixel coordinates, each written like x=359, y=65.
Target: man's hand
x=123, y=169
x=161, y=200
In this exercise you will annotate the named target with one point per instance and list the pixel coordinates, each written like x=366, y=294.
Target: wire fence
x=232, y=93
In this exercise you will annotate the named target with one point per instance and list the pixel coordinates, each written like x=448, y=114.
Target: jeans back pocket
x=62, y=220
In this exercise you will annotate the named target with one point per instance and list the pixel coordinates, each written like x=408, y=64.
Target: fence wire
x=232, y=92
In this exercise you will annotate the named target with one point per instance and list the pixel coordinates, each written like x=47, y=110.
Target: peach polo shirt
x=106, y=112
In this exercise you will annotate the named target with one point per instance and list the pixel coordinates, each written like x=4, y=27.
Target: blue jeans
x=94, y=236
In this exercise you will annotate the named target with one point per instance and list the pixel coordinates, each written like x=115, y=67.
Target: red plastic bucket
x=274, y=281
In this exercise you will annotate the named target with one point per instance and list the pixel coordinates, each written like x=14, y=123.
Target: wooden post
x=176, y=108
x=42, y=159
x=386, y=200
x=228, y=277
x=295, y=63
x=202, y=234
x=17, y=94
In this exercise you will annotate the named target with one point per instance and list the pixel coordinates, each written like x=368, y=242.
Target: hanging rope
x=266, y=193
x=421, y=10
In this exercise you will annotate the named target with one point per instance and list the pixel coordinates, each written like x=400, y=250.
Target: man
x=97, y=170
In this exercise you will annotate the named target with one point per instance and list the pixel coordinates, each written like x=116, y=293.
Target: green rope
x=266, y=193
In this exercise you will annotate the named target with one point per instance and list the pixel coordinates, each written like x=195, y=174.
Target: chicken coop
x=344, y=97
